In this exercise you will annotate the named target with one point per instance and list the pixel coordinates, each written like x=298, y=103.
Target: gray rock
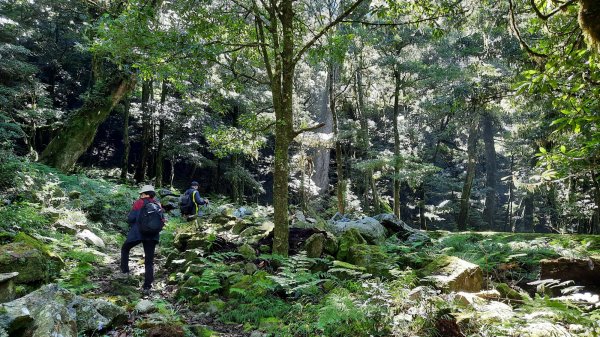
x=91, y=238
x=7, y=286
x=145, y=307
x=368, y=227
x=314, y=245
x=397, y=226
x=51, y=310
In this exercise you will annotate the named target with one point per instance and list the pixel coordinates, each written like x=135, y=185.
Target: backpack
x=186, y=204
x=151, y=218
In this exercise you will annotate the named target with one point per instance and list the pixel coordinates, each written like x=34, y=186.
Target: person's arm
x=135, y=211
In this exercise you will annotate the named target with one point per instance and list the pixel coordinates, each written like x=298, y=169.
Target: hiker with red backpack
x=146, y=220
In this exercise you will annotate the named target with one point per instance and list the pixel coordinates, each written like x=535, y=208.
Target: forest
x=374, y=167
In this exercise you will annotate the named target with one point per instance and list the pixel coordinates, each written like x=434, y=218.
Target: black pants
x=149, y=246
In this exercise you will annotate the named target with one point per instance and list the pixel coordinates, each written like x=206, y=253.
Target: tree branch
x=315, y=38
x=549, y=15
x=310, y=128
x=524, y=45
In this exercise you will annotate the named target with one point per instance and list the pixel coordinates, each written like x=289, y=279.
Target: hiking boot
x=146, y=291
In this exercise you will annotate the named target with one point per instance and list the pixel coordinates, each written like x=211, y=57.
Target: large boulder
x=30, y=259
x=54, y=311
x=450, y=273
x=368, y=227
x=585, y=272
x=349, y=239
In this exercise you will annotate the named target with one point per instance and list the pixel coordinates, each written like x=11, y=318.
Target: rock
x=91, y=238
x=242, y=212
x=30, y=259
x=163, y=192
x=239, y=226
x=247, y=252
x=314, y=245
x=368, y=227
x=165, y=330
x=418, y=237
x=7, y=286
x=509, y=293
x=494, y=312
x=299, y=215
x=181, y=239
x=250, y=268
x=543, y=329
x=450, y=273
x=350, y=238
x=399, y=227
x=420, y=293
x=74, y=194
x=51, y=310
x=226, y=210
x=330, y=246
x=371, y=257
x=145, y=307
x=257, y=333
x=585, y=272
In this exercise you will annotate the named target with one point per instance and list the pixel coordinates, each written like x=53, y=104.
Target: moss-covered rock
x=247, y=251
x=451, y=273
x=30, y=258
x=509, y=293
x=314, y=245
x=349, y=239
x=331, y=244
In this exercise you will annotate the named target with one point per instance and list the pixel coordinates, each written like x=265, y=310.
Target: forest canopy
x=450, y=114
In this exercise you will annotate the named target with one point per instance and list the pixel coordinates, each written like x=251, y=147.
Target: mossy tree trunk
x=489, y=212
x=339, y=159
x=140, y=173
x=126, y=143
x=78, y=134
x=160, y=156
x=465, y=198
x=397, y=84
x=280, y=58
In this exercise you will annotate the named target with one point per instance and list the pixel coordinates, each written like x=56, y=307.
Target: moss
x=349, y=239
x=589, y=20
x=508, y=292
x=372, y=258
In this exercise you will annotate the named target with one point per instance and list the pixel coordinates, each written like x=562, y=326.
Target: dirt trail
x=111, y=282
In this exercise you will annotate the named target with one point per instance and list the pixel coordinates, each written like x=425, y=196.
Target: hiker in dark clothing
x=195, y=201
x=135, y=237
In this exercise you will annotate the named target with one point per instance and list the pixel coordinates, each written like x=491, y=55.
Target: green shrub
x=22, y=215
x=9, y=168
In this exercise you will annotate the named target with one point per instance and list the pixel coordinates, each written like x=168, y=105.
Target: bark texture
x=465, y=198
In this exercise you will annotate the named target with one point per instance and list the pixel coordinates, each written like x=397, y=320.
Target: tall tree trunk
x=126, y=143
x=363, y=134
x=140, y=173
x=339, y=160
x=527, y=216
x=322, y=155
x=79, y=132
x=509, y=208
x=465, y=197
x=160, y=156
x=397, y=83
x=489, y=212
x=595, y=224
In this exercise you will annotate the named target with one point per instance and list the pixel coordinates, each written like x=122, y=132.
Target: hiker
x=191, y=201
x=146, y=220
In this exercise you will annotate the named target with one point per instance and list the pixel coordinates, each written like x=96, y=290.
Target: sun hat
x=147, y=188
